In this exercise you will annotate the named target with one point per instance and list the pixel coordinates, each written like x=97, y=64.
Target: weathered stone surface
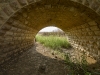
x=20, y=20
x=94, y=28
x=97, y=33
x=23, y=2
x=15, y=5
x=8, y=10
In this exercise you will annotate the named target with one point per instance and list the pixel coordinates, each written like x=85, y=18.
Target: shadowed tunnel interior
x=20, y=21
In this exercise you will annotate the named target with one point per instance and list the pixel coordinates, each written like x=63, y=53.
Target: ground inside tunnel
x=37, y=61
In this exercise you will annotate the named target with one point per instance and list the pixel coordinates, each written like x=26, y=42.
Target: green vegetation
x=57, y=43
x=78, y=68
x=53, y=42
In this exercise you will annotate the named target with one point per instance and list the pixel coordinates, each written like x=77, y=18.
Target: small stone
x=52, y=53
x=55, y=56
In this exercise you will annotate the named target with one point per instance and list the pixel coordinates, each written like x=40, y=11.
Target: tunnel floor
x=36, y=61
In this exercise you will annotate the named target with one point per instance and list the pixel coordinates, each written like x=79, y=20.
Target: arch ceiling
x=20, y=20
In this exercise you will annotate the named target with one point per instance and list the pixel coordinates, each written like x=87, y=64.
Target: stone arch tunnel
x=20, y=20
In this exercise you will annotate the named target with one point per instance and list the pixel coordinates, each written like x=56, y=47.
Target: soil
x=37, y=61
x=40, y=60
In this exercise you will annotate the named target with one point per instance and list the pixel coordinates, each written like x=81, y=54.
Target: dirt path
x=37, y=61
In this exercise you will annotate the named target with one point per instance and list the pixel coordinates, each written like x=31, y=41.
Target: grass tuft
x=53, y=42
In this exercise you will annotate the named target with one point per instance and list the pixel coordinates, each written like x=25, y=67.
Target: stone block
x=15, y=5
x=8, y=58
x=30, y=1
x=3, y=18
x=23, y=2
x=25, y=15
x=6, y=27
x=13, y=29
x=99, y=52
x=97, y=33
x=92, y=23
x=2, y=32
x=9, y=39
x=83, y=26
x=98, y=10
x=86, y=25
x=91, y=33
x=4, y=55
x=88, y=29
x=9, y=33
x=93, y=28
x=8, y=10
x=95, y=4
x=2, y=61
x=80, y=1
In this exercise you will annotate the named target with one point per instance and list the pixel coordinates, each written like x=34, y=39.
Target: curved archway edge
x=20, y=20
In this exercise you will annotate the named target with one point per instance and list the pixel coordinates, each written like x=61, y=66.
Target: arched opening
x=53, y=38
x=20, y=20
x=72, y=56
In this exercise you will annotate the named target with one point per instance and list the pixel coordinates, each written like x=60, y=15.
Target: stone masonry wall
x=18, y=36
x=86, y=38
x=14, y=42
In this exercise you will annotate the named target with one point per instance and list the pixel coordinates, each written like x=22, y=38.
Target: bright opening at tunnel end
x=50, y=29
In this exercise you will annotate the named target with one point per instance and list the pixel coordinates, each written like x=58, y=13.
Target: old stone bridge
x=20, y=21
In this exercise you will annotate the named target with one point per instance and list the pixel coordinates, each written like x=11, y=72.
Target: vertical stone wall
x=14, y=40
x=86, y=38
